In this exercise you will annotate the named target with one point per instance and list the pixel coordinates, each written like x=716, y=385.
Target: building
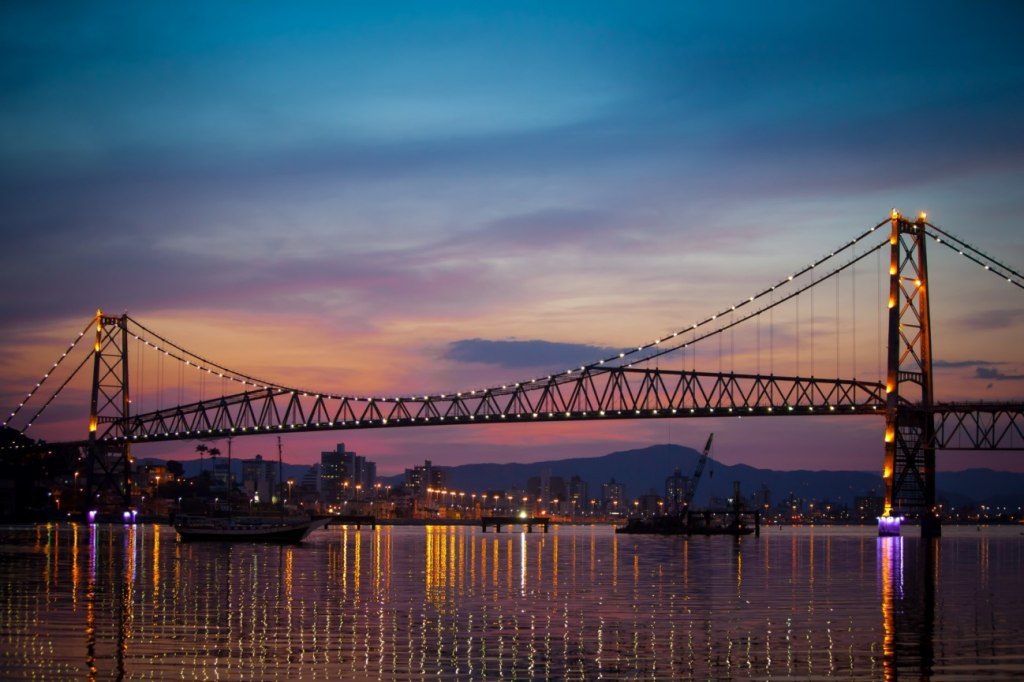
x=550, y=490
x=344, y=475
x=259, y=479
x=578, y=495
x=613, y=497
x=421, y=478
x=676, y=488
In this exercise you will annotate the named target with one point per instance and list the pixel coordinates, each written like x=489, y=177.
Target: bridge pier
x=889, y=526
x=931, y=526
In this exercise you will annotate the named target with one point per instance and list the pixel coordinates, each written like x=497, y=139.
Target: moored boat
x=679, y=525
x=247, y=528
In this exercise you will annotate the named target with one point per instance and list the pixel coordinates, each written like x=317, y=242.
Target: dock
x=356, y=520
x=529, y=522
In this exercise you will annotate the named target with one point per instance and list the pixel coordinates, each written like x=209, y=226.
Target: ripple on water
x=450, y=602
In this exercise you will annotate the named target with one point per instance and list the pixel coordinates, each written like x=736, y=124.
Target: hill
x=647, y=468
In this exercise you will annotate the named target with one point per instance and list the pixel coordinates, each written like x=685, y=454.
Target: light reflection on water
x=451, y=602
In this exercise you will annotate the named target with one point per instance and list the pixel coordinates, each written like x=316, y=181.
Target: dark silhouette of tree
x=202, y=450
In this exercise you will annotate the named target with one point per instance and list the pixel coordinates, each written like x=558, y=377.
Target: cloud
x=995, y=374
x=521, y=354
x=952, y=364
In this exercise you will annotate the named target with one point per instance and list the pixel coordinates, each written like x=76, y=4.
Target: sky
x=379, y=198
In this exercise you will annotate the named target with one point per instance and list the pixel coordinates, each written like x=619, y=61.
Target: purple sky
x=409, y=198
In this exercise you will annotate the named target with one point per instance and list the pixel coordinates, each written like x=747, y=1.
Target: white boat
x=247, y=528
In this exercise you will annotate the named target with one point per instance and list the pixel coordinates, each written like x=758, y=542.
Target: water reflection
x=107, y=602
x=908, y=605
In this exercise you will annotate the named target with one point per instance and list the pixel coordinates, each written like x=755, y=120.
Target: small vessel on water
x=247, y=529
x=695, y=523
x=279, y=527
x=734, y=521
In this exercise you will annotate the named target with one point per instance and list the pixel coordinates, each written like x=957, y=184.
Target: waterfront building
x=676, y=488
x=421, y=478
x=344, y=475
x=259, y=478
x=613, y=497
x=578, y=494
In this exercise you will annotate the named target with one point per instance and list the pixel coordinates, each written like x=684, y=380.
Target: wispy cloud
x=953, y=364
x=525, y=354
x=996, y=375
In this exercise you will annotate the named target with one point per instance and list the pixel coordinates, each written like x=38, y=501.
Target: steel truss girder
x=979, y=426
x=591, y=394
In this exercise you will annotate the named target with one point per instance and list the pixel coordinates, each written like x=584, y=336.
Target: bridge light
x=922, y=217
x=895, y=213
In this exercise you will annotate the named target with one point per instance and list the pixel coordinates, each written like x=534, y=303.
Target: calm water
x=413, y=603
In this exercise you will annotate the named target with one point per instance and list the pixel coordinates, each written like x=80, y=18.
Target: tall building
x=578, y=495
x=613, y=497
x=676, y=487
x=420, y=478
x=259, y=478
x=344, y=475
x=547, y=488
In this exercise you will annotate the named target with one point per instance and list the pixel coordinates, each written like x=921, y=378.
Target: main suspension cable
x=48, y=374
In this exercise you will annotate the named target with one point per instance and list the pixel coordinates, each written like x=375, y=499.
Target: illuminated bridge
x=672, y=376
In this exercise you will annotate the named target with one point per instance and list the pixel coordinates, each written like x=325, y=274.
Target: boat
x=280, y=529
x=680, y=525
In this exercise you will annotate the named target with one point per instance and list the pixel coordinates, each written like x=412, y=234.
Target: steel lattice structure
x=589, y=394
x=978, y=426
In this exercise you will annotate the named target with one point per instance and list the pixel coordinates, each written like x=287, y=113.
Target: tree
x=175, y=468
x=201, y=449
x=214, y=454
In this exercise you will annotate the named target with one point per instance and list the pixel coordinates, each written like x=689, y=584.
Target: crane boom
x=692, y=490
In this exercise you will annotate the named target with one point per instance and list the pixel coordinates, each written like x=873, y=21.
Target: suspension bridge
x=656, y=379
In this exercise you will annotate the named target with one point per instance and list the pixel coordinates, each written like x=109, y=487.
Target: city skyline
x=427, y=199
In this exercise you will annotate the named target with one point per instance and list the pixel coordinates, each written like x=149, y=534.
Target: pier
x=529, y=522
x=356, y=520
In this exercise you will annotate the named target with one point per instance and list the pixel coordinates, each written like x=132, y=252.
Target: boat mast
x=280, y=469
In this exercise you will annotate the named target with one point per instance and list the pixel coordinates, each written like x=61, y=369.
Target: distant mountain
x=646, y=469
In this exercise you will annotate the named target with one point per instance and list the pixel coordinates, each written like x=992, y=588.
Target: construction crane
x=692, y=490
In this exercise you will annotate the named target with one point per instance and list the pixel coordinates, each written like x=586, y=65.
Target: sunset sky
x=398, y=198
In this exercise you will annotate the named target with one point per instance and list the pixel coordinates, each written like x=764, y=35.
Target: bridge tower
x=909, y=469
x=108, y=466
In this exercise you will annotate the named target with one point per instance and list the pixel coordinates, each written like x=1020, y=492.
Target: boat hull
x=227, y=530
x=665, y=525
